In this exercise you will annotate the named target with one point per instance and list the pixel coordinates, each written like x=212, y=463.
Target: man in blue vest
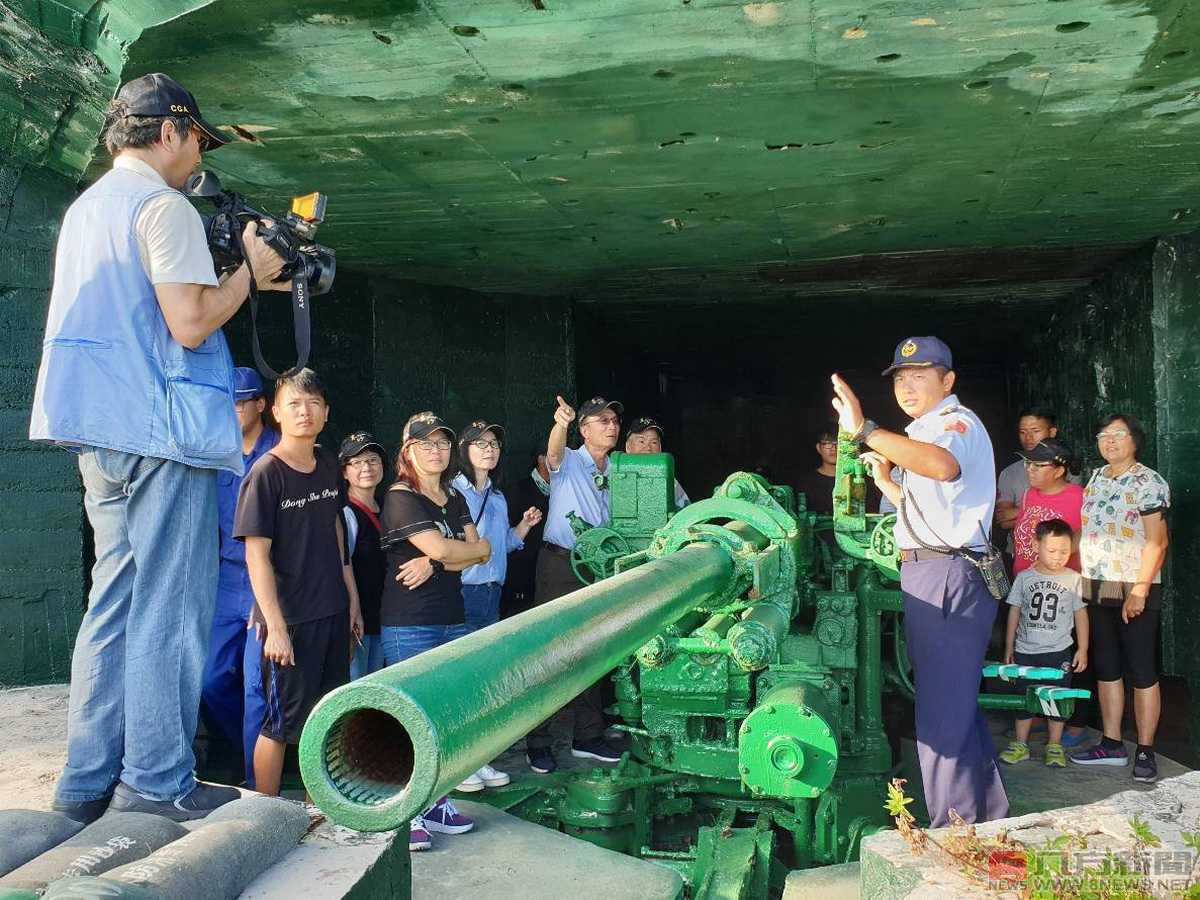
x=137, y=379
x=234, y=703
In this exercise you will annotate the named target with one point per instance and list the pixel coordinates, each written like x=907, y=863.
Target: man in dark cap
x=646, y=436
x=941, y=475
x=578, y=484
x=136, y=377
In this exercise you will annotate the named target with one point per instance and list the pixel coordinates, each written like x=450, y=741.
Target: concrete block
x=839, y=882
x=27, y=833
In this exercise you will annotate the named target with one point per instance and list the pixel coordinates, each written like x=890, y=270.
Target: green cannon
x=750, y=644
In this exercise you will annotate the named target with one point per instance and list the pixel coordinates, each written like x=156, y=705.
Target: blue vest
x=111, y=374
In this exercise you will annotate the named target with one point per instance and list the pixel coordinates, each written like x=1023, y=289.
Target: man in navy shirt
x=234, y=705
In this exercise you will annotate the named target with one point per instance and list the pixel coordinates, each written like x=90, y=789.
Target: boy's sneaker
x=1056, y=756
x=1100, y=756
x=492, y=777
x=419, y=837
x=196, y=804
x=598, y=748
x=446, y=819
x=471, y=784
x=1145, y=767
x=541, y=760
x=1018, y=751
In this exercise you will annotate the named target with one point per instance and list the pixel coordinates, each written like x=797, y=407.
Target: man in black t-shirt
x=817, y=484
x=289, y=515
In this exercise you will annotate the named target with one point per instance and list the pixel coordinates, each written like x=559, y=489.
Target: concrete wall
x=471, y=356
x=42, y=547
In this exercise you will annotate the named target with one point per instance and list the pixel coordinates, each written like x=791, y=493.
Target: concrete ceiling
x=630, y=149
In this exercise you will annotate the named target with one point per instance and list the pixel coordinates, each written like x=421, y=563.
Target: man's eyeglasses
x=486, y=445
x=430, y=446
x=365, y=462
x=1030, y=464
x=1112, y=435
x=826, y=443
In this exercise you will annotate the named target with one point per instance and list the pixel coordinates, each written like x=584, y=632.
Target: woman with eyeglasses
x=1123, y=547
x=479, y=451
x=423, y=515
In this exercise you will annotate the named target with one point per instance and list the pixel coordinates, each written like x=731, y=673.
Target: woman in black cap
x=423, y=516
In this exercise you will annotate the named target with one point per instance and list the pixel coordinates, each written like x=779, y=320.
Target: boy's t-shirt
x=298, y=512
x=1048, y=604
x=1036, y=508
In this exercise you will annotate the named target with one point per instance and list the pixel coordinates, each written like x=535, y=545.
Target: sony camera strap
x=301, y=326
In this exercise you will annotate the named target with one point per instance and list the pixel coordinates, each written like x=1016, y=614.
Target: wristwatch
x=865, y=430
x=437, y=566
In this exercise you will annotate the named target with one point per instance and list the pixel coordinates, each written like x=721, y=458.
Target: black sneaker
x=541, y=760
x=196, y=804
x=83, y=811
x=598, y=748
x=1145, y=768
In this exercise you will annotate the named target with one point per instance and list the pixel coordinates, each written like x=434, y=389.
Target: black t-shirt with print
x=298, y=512
x=439, y=600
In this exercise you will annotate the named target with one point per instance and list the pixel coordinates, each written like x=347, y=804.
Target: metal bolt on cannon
x=750, y=659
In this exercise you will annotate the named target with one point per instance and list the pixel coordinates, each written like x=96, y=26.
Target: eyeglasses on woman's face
x=1118, y=434
x=485, y=445
x=365, y=462
x=434, y=446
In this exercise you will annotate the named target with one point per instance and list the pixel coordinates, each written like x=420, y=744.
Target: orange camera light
x=310, y=207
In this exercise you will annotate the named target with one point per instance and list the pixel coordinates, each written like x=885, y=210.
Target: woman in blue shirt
x=479, y=451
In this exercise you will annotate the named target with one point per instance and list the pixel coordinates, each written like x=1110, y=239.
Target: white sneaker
x=492, y=777
x=473, y=783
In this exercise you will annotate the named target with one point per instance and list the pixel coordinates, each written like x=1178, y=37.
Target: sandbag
x=116, y=838
x=26, y=833
x=236, y=844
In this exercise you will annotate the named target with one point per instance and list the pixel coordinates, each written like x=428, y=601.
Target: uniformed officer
x=233, y=700
x=942, y=478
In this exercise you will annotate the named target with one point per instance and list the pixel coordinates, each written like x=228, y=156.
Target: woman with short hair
x=1123, y=546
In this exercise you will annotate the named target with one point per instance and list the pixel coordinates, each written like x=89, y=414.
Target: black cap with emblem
x=161, y=95
x=597, y=405
x=422, y=425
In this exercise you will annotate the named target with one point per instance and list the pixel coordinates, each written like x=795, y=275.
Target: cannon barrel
x=383, y=749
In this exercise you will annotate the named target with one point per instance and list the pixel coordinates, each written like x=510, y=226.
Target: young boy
x=289, y=514
x=1043, y=602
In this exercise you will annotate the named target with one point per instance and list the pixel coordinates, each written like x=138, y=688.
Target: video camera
x=309, y=266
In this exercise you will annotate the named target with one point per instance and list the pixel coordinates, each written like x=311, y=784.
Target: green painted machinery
x=750, y=644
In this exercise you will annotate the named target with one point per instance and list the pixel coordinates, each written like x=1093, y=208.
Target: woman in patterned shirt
x=1123, y=545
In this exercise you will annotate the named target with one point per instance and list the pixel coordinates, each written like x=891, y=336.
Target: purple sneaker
x=445, y=819
x=1100, y=756
x=418, y=837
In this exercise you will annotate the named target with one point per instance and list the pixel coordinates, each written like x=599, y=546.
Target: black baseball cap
x=645, y=423
x=920, y=352
x=161, y=95
x=597, y=405
x=478, y=429
x=1050, y=450
x=356, y=443
x=423, y=424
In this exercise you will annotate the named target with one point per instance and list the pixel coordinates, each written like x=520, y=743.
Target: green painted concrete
x=612, y=147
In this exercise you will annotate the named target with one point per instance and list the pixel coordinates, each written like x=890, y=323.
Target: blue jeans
x=368, y=658
x=139, y=657
x=481, y=603
x=403, y=641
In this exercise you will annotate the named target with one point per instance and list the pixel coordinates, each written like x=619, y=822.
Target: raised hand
x=565, y=414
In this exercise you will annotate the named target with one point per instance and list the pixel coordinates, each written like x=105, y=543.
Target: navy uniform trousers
x=948, y=615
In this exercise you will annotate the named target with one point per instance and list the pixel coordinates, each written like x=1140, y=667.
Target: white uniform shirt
x=957, y=513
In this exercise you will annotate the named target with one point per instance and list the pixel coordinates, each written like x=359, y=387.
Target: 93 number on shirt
x=1044, y=607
